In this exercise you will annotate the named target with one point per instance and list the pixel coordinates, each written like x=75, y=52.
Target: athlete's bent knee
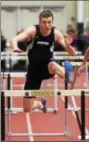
x=52, y=68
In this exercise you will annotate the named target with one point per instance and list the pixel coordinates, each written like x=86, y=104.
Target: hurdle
x=35, y=93
x=61, y=58
x=75, y=108
x=10, y=84
x=23, y=56
x=55, y=53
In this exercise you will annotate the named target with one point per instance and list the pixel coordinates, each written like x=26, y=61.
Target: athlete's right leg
x=33, y=79
x=33, y=82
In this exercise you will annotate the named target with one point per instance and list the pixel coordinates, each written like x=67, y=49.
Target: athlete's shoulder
x=37, y=26
x=31, y=32
x=31, y=29
x=58, y=34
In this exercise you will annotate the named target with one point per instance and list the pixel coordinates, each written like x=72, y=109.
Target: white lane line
x=29, y=127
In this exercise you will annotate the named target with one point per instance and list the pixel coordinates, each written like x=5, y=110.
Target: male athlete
x=40, y=52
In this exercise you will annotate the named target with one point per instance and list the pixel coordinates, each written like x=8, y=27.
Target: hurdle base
x=73, y=109
x=17, y=110
x=66, y=134
x=36, y=134
x=86, y=137
x=76, y=109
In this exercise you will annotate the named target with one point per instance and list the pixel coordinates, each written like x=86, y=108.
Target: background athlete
x=79, y=69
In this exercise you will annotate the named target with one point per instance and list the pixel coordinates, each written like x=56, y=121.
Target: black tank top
x=41, y=47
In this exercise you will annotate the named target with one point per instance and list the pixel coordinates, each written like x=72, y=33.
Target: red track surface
x=50, y=121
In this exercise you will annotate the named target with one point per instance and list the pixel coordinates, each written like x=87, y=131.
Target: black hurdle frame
x=3, y=111
x=83, y=115
x=2, y=116
x=81, y=123
x=8, y=88
x=66, y=99
x=66, y=88
x=66, y=103
x=9, y=83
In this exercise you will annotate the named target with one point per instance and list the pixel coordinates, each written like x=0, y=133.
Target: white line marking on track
x=28, y=120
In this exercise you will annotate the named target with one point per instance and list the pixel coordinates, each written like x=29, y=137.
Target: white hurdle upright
x=55, y=96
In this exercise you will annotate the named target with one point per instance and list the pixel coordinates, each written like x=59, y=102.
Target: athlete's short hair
x=46, y=14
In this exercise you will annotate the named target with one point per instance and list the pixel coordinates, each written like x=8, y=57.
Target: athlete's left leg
x=55, y=68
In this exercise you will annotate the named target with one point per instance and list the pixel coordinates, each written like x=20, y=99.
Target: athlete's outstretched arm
x=28, y=34
x=79, y=70
x=65, y=42
x=86, y=57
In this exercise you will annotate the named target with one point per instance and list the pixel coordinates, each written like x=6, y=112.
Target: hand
x=68, y=39
x=16, y=49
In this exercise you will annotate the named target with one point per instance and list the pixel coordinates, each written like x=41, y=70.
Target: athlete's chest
x=43, y=41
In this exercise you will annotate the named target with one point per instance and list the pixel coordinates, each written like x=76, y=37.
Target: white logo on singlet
x=42, y=42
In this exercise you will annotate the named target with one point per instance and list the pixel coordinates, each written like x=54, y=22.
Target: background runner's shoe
x=70, y=77
x=69, y=69
x=41, y=105
x=68, y=66
x=43, y=101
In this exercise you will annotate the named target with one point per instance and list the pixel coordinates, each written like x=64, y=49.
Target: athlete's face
x=46, y=24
